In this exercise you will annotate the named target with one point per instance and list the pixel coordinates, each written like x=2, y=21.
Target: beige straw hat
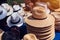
x=39, y=12
x=57, y=20
x=30, y=36
x=40, y=23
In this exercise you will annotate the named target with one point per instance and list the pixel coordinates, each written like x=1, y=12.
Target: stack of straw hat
x=57, y=21
x=41, y=24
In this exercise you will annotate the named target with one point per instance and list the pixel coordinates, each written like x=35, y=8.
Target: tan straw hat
x=1, y=33
x=39, y=12
x=30, y=36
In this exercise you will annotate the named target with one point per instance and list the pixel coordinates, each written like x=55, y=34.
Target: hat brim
x=56, y=15
x=40, y=23
x=3, y=15
x=57, y=9
x=18, y=24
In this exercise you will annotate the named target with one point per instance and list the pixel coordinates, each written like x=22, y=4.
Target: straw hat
x=57, y=10
x=40, y=23
x=39, y=18
x=8, y=8
x=18, y=9
x=15, y=20
x=40, y=30
x=39, y=12
x=43, y=5
x=30, y=36
x=47, y=37
x=53, y=4
x=56, y=15
x=57, y=20
x=1, y=34
x=23, y=4
x=3, y=13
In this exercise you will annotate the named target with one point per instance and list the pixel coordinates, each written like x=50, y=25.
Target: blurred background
x=18, y=1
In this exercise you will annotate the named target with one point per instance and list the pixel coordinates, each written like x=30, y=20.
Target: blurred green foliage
x=18, y=1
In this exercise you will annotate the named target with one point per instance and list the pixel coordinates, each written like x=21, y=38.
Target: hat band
x=17, y=10
x=8, y=10
x=15, y=22
x=1, y=12
x=40, y=18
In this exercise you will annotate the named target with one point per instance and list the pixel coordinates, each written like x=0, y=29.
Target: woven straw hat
x=3, y=13
x=39, y=12
x=8, y=8
x=15, y=20
x=1, y=34
x=30, y=36
x=40, y=23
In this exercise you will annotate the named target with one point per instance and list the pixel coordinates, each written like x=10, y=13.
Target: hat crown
x=5, y=5
x=30, y=37
x=16, y=7
x=15, y=18
x=39, y=12
x=43, y=5
x=23, y=4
